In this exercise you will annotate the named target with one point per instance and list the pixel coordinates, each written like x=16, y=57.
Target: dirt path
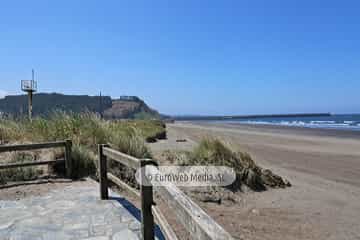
x=323, y=166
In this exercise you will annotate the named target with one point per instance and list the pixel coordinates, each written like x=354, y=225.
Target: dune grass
x=214, y=152
x=86, y=130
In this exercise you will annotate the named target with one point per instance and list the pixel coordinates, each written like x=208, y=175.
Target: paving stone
x=6, y=224
x=71, y=213
x=134, y=225
x=97, y=238
x=125, y=234
x=56, y=236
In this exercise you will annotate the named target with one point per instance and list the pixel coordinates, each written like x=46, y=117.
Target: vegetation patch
x=19, y=174
x=213, y=152
x=86, y=130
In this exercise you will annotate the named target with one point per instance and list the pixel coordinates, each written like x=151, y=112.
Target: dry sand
x=322, y=165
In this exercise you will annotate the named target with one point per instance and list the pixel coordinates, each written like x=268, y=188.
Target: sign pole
x=30, y=87
x=30, y=94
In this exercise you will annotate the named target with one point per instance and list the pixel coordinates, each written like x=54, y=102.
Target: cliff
x=44, y=103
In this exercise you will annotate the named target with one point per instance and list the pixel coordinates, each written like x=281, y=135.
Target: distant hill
x=45, y=103
x=130, y=107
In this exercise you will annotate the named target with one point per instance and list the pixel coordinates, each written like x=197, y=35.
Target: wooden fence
x=67, y=145
x=200, y=225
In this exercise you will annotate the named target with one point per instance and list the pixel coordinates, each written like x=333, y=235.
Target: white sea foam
x=257, y=122
x=322, y=122
x=351, y=125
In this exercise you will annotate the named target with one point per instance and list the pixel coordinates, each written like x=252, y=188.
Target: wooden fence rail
x=200, y=225
x=67, y=145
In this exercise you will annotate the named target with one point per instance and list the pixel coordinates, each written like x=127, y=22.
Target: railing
x=200, y=225
x=67, y=145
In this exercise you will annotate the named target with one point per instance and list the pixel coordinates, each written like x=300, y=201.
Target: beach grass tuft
x=214, y=152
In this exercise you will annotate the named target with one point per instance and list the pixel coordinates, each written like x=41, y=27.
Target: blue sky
x=189, y=57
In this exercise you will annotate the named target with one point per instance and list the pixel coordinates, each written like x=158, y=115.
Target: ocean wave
x=322, y=122
x=257, y=122
x=349, y=125
x=292, y=122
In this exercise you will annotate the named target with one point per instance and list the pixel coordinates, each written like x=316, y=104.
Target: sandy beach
x=322, y=165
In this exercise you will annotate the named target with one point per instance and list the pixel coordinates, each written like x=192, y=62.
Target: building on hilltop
x=129, y=98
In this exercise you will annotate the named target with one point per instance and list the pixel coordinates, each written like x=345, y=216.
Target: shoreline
x=273, y=128
x=252, y=116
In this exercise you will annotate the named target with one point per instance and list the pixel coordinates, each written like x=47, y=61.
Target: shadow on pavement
x=134, y=211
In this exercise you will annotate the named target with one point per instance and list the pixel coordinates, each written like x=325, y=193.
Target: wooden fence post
x=104, y=193
x=68, y=159
x=147, y=218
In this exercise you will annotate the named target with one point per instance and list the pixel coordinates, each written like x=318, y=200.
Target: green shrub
x=130, y=143
x=11, y=130
x=21, y=173
x=211, y=151
x=84, y=162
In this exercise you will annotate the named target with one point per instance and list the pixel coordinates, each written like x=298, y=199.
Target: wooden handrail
x=28, y=164
x=122, y=158
x=195, y=220
x=199, y=224
x=146, y=192
x=104, y=192
x=164, y=224
x=67, y=144
x=33, y=146
x=147, y=201
x=159, y=216
x=123, y=185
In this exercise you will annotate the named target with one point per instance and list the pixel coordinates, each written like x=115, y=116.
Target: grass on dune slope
x=213, y=152
x=86, y=130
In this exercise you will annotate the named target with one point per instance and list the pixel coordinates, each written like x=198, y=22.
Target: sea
x=349, y=122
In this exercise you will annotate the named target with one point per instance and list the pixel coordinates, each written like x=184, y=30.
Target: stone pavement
x=74, y=212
